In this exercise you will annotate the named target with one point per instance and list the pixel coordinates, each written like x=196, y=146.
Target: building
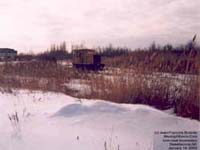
x=7, y=54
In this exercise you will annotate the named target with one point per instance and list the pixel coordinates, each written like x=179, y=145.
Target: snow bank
x=51, y=121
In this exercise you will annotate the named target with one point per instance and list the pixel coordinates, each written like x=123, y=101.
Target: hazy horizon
x=35, y=25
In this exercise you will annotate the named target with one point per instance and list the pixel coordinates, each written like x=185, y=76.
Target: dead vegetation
x=174, y=61
x=137, y=78
x=162, y=91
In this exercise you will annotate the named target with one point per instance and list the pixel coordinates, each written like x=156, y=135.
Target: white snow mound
x=51, y=121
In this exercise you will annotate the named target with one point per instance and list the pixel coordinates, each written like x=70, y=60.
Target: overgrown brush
x=37, y=75
x=159, y=90
x=173, y=61
x=135, y=86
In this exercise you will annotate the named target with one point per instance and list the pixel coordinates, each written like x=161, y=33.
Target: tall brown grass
x=159, y=90
x=135, y=85
x=176, y=61
x=38, y=75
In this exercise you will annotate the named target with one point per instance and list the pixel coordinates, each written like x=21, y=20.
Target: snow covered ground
x=53, y=121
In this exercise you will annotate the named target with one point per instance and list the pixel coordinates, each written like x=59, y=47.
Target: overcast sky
x=36, y=24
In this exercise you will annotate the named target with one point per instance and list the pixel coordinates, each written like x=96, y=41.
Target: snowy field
x=52, y=121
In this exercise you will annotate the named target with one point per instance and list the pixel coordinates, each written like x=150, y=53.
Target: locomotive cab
x=86, y=59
